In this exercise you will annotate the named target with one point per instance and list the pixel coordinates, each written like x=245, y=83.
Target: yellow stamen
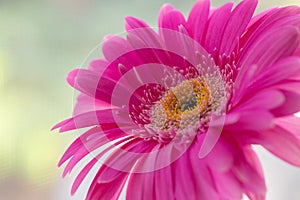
x=182, y=105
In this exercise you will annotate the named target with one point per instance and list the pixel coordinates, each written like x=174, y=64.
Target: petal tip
x=71, y=77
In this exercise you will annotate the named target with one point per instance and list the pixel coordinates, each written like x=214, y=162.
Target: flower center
x=181, y=106
x=181, y=111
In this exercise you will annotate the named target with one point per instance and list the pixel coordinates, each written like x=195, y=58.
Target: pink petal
x=221, y=158
x=134, y=23
x=143, y=35
x=289, y=85
x=290, y=106
x=297, y=51
x=144, y=38
x=92, y=118
x=216, y=25
x=265, y=99
x=165, y=9
x=144, y=184
x=164, y=180
x=291, y=124
x=172, y=20
x=107, y=191
x=253, y=160
x=88, y=147
x=211, y=138
x=236, y=25
x=98, y=65
x=86, y=103
x=143, y=57
x=283, y=69
x=141, y=186
x=249, y=120
x=227, y=185
x=190, y=167
x=259, y=17
x=264, y=52
x=72, y=149
x=83, y=173
x=60, y=124
x=71, y=77
x=125, y=157
x=184, y=188
x=248, y=171
x=272, y=19
x=282, y=143
x=228, y=119
x=244, y=78
x=249, y=81
x=114, y=46
x=94, y=85
x=197, y=19
x=84, y=80
x=77, y=144
x=204, y=182
x=244, y=173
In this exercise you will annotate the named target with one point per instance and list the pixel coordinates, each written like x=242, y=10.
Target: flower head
x=172, y=114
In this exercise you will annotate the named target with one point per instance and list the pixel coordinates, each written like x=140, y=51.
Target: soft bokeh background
x=40, y=41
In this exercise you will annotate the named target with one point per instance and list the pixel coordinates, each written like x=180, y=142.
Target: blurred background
x=40, y=41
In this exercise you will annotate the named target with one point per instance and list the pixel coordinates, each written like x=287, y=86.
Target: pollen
x=181, y=106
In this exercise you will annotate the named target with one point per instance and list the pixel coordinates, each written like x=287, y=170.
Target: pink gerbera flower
x=172, y=114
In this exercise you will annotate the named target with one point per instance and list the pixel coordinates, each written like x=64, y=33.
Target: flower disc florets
x=184, y=108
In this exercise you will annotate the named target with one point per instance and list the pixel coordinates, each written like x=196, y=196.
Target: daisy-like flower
x=173, y=113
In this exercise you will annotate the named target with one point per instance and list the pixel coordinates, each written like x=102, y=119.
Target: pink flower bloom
x=173, y=114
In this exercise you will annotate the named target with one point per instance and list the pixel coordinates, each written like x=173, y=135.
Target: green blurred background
x=40, y=41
